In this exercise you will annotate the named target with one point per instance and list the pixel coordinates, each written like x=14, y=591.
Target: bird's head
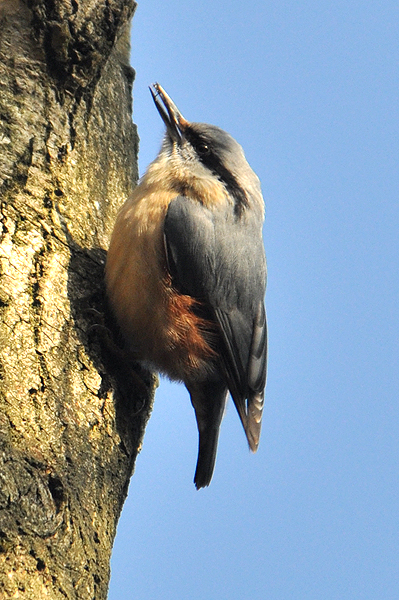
x=205, y=152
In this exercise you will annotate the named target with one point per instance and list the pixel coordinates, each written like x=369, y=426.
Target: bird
x=186, y=275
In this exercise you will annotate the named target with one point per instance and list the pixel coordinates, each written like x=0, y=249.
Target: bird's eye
x=203, y=149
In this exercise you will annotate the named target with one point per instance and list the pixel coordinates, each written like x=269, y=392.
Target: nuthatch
x=186, y=275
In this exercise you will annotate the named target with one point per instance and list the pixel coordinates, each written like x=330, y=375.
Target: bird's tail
x=209, y=401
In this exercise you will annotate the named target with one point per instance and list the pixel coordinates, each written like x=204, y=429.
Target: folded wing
x=218, y=258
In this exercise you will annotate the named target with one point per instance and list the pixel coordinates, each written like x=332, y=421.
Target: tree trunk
x=72, y=409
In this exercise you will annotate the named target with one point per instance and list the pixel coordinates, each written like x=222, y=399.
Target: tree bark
x=72, y=409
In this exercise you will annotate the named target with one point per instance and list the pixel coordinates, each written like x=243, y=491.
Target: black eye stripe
x=210, y=159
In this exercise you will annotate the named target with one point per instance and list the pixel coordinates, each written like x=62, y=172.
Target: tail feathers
x=208, y=399
x=208, y=443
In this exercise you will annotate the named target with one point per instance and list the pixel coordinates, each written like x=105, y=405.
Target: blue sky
x=310, y=90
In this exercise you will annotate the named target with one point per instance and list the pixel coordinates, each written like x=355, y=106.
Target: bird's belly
x=160, y=325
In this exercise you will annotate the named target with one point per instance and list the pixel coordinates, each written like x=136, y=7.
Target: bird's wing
x=218, y=258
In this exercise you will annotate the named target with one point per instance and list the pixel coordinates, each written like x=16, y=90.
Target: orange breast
x=160, y=324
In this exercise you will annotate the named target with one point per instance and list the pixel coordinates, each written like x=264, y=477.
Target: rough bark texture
x=68, y=437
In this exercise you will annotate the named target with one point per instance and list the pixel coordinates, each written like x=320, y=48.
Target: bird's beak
x=170, y=114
